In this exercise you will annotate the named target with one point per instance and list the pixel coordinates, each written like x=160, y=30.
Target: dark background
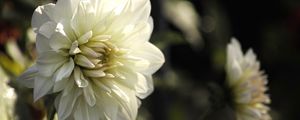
x=270, y=28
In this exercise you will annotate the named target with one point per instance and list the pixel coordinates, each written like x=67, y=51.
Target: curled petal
x=94, y=73
x=83, y=61
x=79, y=78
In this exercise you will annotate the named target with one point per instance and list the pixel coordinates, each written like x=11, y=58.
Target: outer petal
x=60, y=85
x=85, y=112
x=134, y=34
x=64, y=9
x=130, y=11
x=126, y=77
x=126, y=98
x=59, y=40
x=107, y=105
x=48, y=62
x=27, y=78
x=65, y=103
x=89, y=95
x=152, y=54
x=48, y=28
x=144, y=86
x=41, y=15
x=234, y=72
x=42, y=44
x=234, y=51
x=81, y=111
x=42, y=86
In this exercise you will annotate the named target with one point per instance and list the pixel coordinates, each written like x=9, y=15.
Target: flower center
x=94, y=56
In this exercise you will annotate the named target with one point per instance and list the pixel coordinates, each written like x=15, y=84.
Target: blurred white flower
x=96, y=55
x=247, y=83
x=183, y=14
x=7, y=98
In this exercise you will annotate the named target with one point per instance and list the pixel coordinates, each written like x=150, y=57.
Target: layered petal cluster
x=96, y=55
x=7, y=98
x=247, y=83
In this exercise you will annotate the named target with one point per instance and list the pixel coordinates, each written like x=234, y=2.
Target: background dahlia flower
x=96, y=55
x=247, y=84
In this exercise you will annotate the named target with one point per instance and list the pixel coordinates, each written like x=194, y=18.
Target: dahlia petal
x=152, y=54
x=85, y=38
x=88, y=51
x=66, y=103
x=48, y=62
x=135, y=34
x=250, y=60
x=89, y=95
x=83, y=18
x=253, y=113
x=235, y=72
x=83, y=61
x=102, y=86
x=74, y=48
x=85, y=112
x=130, y=12
x=234, y=51
x=141, y=10
x=64, y=71
x=94, y=113
x=129, y=108
x=94, y=73
x=82, y=111
x=144, y=86
x=47, y=29
x=118, y=90
x=42, y=86
x=65, y=9
x=126, y=77
x=109, y=106
x=79, y=78
x=41, y=15
x=59, y=40
x=27, y=78
x=42, y=44
x=60, y=85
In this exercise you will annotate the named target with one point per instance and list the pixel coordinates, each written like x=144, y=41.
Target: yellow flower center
x=94, y=56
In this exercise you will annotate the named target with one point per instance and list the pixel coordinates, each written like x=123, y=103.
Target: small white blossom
x=247, y=83
x=96, y=55
x=7, y=98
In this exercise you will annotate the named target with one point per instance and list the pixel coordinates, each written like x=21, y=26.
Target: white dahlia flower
x=96, y=55
x=7, y=98
x=247, y=83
